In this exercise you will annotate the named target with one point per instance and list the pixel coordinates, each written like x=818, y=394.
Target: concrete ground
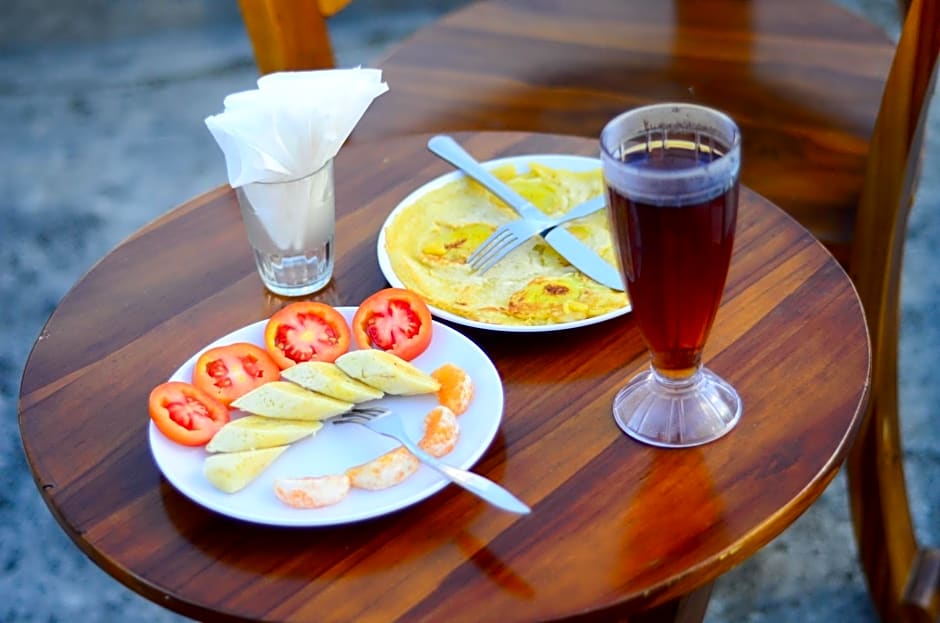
x=101, y=130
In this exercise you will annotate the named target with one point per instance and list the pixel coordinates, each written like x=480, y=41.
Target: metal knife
x=581, y=256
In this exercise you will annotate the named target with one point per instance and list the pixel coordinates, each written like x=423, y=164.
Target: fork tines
x=361, y=415
x=489, y=252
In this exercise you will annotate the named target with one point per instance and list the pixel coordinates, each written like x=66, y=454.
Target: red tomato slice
x=306, y=331
x=185, y=413
x=228, y=372
x=395, y=320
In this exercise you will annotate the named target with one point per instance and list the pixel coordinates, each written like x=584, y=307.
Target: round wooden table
x=617, y=527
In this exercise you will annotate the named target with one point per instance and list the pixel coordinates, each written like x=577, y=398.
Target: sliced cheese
x=233, y=471
x=256, y=431
x=387, y=372
x=281, y=399
x=327, y=378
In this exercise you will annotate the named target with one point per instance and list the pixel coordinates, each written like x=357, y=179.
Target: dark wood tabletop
x=617, y=526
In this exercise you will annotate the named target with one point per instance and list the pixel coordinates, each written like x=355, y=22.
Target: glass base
x=677, y=414
x=296, y=275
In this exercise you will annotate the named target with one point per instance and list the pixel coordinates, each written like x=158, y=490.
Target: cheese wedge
x=327, y=378
x=255, y=431
x=281, y=399
x=387, y=372
x=232, y=471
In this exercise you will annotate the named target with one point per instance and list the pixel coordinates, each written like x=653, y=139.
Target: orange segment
x=456, y=390
x=312, y=491
x=385, y=471
x=440, y=432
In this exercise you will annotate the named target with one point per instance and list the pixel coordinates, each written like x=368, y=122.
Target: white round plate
x=572, y=163
x=335, y=448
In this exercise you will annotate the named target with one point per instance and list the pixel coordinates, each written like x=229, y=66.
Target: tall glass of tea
x=671, y=172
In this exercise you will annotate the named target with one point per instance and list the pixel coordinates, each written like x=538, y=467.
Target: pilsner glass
x=671, y=172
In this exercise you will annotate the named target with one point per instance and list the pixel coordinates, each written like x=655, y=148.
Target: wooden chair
x=290, y=34
x=801, y=150
x=903, y=578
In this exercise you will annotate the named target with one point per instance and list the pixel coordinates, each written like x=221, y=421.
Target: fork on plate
x=509, y=236
x=386, y=422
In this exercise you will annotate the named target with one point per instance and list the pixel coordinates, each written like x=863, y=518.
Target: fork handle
x=451, y=151
x=480, y=486
x=474, y=483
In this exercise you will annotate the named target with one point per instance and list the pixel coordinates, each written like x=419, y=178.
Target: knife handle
x=448, y=149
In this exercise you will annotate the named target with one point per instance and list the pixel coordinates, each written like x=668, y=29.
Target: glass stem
x=691, y=378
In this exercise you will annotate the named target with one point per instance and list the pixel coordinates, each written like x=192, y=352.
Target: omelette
x=428, y=242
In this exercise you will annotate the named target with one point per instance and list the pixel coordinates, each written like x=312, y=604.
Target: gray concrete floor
x=101, y=120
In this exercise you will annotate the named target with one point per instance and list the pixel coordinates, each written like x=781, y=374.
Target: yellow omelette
x=428, y=242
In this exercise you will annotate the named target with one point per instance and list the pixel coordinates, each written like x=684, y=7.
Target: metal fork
x=511, y=235
x=385, y=422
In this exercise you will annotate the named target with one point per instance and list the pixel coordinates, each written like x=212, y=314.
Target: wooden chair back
x=290, y=34
x=903, y=578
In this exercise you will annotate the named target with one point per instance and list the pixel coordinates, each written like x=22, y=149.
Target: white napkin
x=293, y=123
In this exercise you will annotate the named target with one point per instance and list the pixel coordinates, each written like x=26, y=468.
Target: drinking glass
x=290, y=226
x=671, y=172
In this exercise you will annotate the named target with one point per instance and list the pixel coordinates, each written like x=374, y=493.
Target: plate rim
x=385, y=264
x=307, y=518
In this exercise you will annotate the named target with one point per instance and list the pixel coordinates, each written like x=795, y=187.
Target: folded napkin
x=293, y=123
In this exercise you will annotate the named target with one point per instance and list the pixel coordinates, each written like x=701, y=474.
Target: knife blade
x=564, y=242
x=584, y=258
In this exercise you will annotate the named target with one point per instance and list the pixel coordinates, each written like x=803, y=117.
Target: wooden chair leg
x=921, y=601
x=288, y=34
x=903, y=579
x=690, y=608
x=880, y=513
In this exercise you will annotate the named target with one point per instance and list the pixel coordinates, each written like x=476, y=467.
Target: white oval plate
x=572, y=163
x=335, y=448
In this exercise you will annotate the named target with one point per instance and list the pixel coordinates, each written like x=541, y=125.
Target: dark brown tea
x=674, y=250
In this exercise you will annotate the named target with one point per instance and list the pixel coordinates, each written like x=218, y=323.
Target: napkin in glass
x=293, y=123
x=286, y=130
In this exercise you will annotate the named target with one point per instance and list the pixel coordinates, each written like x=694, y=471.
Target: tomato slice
x=395, y=320
x=228, y=372
x=185, y=413
x=306, y=331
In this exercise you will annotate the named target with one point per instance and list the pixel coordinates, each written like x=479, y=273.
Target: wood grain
x=617, y=528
